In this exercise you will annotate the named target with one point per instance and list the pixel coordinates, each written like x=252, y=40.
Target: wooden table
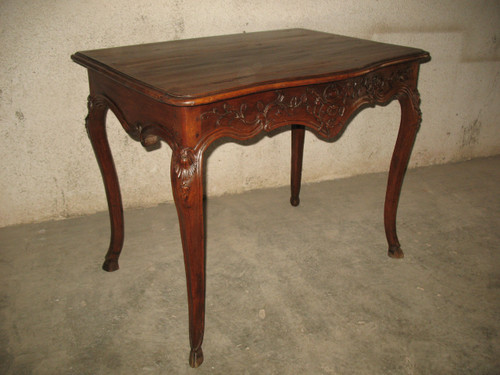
x=189, y=93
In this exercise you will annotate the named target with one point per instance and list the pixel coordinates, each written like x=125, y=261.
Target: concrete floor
x=306, y=290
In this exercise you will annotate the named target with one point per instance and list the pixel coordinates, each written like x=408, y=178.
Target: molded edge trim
x=207, y=98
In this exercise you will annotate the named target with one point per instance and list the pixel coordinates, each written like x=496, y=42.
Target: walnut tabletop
x=189, y=93
x=204, y=70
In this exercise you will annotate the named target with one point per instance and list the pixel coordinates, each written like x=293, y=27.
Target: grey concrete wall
x=47, y=165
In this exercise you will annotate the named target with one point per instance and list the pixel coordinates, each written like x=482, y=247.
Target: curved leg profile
x=187, y=187
x=410, y=122
x=298, y=133
x=96, y=129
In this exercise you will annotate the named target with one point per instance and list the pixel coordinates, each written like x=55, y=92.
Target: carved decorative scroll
x=414, y=98
x=95, y=105
x=324, y=107
x=99, y=102
x=262, y=115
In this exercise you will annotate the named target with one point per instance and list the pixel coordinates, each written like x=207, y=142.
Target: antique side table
x=189, y=93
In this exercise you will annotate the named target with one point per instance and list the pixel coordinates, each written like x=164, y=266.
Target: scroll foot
x=110, y=265
x=195, y=357
x=395, y=252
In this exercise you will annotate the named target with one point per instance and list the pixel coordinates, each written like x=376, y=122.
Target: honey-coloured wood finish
x=190, y=93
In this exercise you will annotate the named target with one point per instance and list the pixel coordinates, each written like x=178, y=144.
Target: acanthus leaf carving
x=184, y=167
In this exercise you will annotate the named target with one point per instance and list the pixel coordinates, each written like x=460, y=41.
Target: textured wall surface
x=48, y=168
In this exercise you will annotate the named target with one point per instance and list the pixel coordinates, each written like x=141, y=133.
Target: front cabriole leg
x=409, y=100
x=96, y=130
x=187, y=187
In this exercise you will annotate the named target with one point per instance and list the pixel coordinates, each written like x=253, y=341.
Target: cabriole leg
x=187, y=187
x=96, y=130
x=410, y=122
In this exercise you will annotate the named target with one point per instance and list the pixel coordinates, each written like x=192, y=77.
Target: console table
x=189, y=93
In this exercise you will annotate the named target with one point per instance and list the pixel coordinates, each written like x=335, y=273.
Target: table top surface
x=205, y=70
